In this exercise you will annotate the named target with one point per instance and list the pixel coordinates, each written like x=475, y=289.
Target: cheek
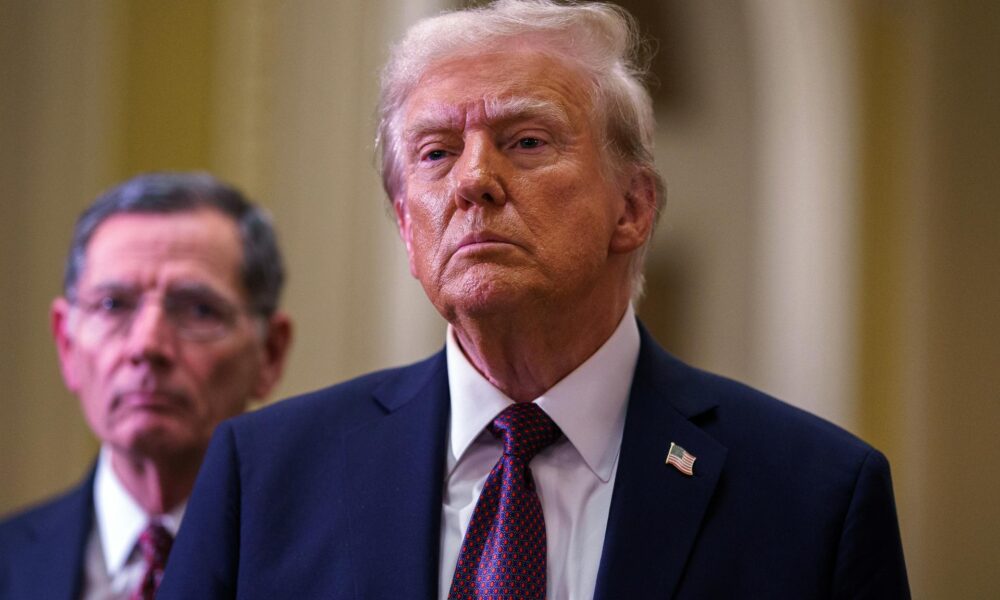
x=95, y=368
x=429, y=212
x=227, y=380
x=558, y=208
x=95, y=388
x=429, y=219
x=574, y=224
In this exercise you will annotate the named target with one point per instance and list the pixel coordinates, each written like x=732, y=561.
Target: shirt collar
x=588, y=405
x=120, y=519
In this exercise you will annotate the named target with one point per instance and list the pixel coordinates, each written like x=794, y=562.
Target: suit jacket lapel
x=656, y=510
x=51, y=564
x=395, y=470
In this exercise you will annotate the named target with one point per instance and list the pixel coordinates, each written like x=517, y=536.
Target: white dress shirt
x=574, y=477
x=113, y=565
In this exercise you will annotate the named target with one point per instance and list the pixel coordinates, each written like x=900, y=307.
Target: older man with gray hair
x=552, y=449
x=168, y=324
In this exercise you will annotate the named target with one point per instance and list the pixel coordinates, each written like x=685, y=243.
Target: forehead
x=151, y=249
x=492, y=87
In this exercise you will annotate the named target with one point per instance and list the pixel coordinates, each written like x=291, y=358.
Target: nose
x=150, y=336
x=477, y=174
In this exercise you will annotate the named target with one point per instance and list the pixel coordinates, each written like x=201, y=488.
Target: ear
x=277, y=342
x=59, y=323
x=638, y=213
x=405, y=233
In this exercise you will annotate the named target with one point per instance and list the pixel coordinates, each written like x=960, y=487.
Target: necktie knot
x=154, y=544
x=503, y=553
x=525, y=429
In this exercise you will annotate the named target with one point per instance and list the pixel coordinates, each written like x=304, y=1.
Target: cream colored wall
x=894, y=309
x=942, y=346
x=54, y=123
x=349, y=288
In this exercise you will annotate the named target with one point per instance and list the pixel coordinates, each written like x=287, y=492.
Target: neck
x=525, y=355
x=157, y=485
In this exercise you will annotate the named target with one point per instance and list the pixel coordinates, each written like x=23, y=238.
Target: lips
x=153, y=399
x=483, y=238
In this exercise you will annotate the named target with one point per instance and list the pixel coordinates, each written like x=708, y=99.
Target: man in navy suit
x=516, y=153
x=168, y=324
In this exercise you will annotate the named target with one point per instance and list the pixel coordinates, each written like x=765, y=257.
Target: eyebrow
x=182, y=288
x=437, y=117
x=196, y=289
x=521, y=108
x=444, y=117
x=111, y=286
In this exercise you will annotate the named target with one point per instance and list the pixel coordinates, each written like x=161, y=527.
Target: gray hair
x=601, y=40
x=262, y=271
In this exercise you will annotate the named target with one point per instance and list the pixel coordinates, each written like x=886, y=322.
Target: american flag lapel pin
x=681, y=459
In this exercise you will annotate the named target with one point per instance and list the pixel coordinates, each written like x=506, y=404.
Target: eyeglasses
x=196, y=314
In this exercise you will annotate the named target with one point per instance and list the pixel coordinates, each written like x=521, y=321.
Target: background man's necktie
x=503, y=553
x=154, y=543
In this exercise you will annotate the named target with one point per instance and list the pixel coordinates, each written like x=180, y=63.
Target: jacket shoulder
x=769, y=433
x=340, y=407
x=41, y=548
x=24, y=524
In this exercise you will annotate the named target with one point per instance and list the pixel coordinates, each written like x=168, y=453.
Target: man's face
x=159, y=345
x=507, y=201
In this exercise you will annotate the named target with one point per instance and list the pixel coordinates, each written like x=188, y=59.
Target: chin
x=486, y=291
x=488, y=302
x=160, y=440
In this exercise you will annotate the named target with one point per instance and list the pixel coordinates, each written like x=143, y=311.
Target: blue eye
x=112, y=304
x=435, y=155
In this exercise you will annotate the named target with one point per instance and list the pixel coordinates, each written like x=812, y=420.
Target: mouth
x=149, y=400
x=482, y=240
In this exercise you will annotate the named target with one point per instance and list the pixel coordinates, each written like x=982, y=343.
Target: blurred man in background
x=552, y=449
x=168, y=324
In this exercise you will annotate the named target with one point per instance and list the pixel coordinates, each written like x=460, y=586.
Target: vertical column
x=805, y=281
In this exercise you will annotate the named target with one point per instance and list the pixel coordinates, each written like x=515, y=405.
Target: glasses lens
x=109, y=313
x=199, y=315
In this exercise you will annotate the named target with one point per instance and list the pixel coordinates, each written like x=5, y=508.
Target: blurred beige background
x=832, y=233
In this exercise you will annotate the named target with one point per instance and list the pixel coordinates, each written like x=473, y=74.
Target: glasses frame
x=107, y=322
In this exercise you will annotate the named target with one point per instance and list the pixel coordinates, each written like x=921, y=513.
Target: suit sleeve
x=870, y=554
x=204, y=560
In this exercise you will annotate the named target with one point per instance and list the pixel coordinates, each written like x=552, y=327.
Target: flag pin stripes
x=681, y=459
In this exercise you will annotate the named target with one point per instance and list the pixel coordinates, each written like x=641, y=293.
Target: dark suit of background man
x=168, y=324
x=517, y=153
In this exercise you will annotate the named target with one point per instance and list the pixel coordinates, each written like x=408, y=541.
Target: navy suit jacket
x=41, y=549
x=337, y=494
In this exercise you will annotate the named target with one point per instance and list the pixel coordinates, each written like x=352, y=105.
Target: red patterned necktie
x=154, y=543
x=503, y=553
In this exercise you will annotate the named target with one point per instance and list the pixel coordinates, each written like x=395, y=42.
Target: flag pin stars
x=681, y=459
